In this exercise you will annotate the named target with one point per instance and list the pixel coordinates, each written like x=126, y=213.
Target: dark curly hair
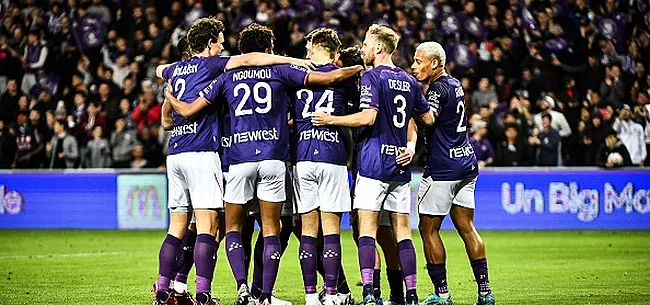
x=328, y=39
x=256, y=38
x=351, y=56
x=204, y=31
x=183, y=48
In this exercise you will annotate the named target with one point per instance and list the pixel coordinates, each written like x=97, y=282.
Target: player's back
x=395, y=95
x=188, y=78
x=323, y=143
x=258, y=101
x=451, y=155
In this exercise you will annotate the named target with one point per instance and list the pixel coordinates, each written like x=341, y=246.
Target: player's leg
x=206, y=192
x=239, y=190
x=434, y=204
x=271, y=193
x=368, y=198
x=178, y=205
x=305, y=187
x=247, y=240
x=398, y=201
x=388, y=244
x=462, y=215
x=258, y=261
x=185, y=258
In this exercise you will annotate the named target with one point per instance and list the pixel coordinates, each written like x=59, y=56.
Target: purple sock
x=308, y=260
x=205, y=256
x=167, y=262
x=185, y=258
x=367, y=259
x=480, y=269
x=235, y=253
x=331, y=262
x=272, y=255
x=258, y=267
x=438, y=276
x=407, y=262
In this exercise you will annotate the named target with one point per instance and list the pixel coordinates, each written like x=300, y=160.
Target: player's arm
x=406, y=153
x=257, y=59
x=160, y=69
x=360, y=119
x=166, y=121
x=186, y=110
x=332, y=77
x=426, y=118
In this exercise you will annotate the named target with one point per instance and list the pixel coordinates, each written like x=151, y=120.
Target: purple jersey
x=451, y=155
x=326, y=143
x=258, y=100
x=188, y=78
x=396, y=96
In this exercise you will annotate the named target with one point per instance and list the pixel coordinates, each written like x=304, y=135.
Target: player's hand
x=405, y=156
x=170, y=90
x=320, y=119
x=305, y=63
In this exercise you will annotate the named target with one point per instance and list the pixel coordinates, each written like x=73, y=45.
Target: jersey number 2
x=460, y=108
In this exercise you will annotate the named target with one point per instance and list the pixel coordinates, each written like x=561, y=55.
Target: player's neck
x=205, y=53
x=437, y=75
x=321, y=59
x=383, y=60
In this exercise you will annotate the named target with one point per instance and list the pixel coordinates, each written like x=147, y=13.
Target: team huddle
x=264, y=138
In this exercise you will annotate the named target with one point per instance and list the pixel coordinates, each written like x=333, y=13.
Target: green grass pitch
x=118, y=267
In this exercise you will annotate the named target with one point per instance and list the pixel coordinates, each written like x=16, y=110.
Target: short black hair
x=328, y=39
x=63, y=123
x=547, y=115
x=204, y=31
x=351, y=56
x=510, y=125
x=255, y=38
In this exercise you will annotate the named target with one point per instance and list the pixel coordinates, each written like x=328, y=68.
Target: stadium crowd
x=546, y=83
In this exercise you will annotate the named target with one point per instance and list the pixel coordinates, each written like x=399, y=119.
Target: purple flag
x=450, y=25
x=528, y=20
x=89, y=33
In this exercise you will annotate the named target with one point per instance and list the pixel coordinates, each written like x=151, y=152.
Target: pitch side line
x=88, y=254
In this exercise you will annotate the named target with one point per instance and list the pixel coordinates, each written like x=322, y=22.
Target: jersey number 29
x=259, y=99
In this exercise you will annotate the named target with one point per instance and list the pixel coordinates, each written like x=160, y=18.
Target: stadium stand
x=78, y=88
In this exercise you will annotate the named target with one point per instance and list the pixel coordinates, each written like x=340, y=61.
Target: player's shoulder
x=289, y=68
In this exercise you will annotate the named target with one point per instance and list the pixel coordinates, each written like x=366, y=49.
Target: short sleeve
x=212, y=92
x=421, y=106
x=217, y=64
x=292, y=75
x=369, y=98
x=435, y=93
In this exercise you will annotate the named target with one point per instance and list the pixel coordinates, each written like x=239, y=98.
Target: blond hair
x=385, y=36
x=433, y=50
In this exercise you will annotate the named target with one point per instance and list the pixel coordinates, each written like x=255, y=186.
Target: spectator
x=611, y=89
x=126, y=113
x=101, y=11
x=79, y=109
x=613, y=153
x=482, y=147
x=63, y=150
x=8, y=146
x=560, y=124
x=30, y=144
x=138, y=158
x=580, y=143
x=34, y=60
x=548, y=143
x=148, y=110
x=122, y=143
x=9, y=102
x=512, y=151
x=484, y=95
x=631, y=135
x=110, y=102
x=151, y=147
x=120, y=67
x=98, y=152
x=93, y=117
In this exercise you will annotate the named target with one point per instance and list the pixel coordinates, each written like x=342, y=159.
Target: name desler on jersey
x=451, y=156
x=396, y=96
x=258, y=101
x=188, y=78
x=323, y=143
